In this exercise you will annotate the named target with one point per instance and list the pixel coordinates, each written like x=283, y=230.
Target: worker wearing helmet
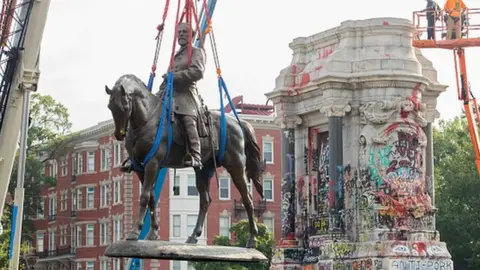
x=454, y=10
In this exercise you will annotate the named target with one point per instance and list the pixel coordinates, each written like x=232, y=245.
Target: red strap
x=172, y=57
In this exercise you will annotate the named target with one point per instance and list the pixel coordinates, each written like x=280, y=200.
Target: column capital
x=333, y=108
x=286, y=122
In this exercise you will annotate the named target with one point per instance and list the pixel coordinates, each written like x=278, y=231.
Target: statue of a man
x=186, y=100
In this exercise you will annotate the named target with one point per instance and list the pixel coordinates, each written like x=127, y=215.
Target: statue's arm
x=195, y=71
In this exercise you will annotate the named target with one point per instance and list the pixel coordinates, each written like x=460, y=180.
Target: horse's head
x=120, y=104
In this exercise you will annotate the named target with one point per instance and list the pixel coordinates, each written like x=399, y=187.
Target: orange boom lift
x=470, y=38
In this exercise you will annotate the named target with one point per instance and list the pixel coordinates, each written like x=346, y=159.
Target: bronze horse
x=136, y=113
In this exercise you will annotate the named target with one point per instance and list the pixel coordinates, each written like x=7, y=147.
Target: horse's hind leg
x=202, y=180
x=153, y=232
x=240, y=181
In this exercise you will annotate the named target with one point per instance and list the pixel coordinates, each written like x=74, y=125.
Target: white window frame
x=176, y=225
x=250, y=188
x=268, y=141
x=51, y=240
x=40, y=246
x=176, y=265
x=117, y=154
x=104, y=233
x=79, y=235
x=272, y=229
x=90, y=204
x=80, y=162
x=52, y=205
x=64, y=165
x=117, y=192
x=104, y=265
x=191, y=227
x=105, y=156
x=90, y=235
x=176, y=184
x=190, y=178
x=79, y=265
x=63, y=235
x=117, y=230
x=90, y=265
x=91, y=161
x=53, y=168
x=229, y=222
x=266, y=179
x=117, y=264
x=104, y=192
x=220, y=187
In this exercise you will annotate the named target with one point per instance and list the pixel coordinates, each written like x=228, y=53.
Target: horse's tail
x=254, y=164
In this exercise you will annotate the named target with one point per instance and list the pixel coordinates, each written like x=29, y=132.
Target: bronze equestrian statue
x=136, y=113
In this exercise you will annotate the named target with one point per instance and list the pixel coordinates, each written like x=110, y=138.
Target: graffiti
x=315, y=159
x=362, y=264
x=305, y=160
x=323, y=178
x=319, y=225
x=408, y=264
x=343, y=250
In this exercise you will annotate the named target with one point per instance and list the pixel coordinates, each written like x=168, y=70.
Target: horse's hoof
x=126, y=169
x=251, y=243
x=133, y=235
x=191, y=240
x=152, y=235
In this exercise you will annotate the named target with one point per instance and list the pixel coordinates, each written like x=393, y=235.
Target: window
x=52, y=207
x=104, y=265
x=224, y=189
x=117, y=230
x=90, y=266
x=192, y=188
x=176, y=265
x=64, y=165
x=191, y=222
x=41, y=208
x=63, y=235
x=74, y=200
x=249, y=188
x=116, y=264
x=79, y=265
x=53, y=168
x=190, y=266
x=103, y=233
x=51, y=240
x=74, y=164
x=63, y=201
x=225, y=226
x=269, y=221
x=40, y=242
x=79, y=236
x=104, y=195
x=176, y=185
x=105, y=159
x=80, y=163
x=268, y=151
x=90, y=235
x=79, y=199
x=90, y=197
x=117, y=195
x=117, y=154
x=73, y=237
x=91, y=161
x=268, y=189
x=176, y=225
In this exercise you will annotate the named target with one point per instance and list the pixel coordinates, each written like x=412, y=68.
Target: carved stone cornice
x=339, y=109
x=380, y=112
x=287, y=122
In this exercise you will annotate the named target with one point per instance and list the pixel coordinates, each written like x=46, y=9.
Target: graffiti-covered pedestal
x=356, y=105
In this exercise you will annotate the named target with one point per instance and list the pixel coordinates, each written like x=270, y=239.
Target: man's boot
x=126, y=166
x=190, y=123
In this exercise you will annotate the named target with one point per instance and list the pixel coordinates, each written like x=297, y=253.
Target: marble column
x=429, y=173
x=288, y=187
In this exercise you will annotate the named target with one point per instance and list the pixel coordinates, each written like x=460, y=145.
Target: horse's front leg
x=203, y=186
x=151, y=171
x=153, y=233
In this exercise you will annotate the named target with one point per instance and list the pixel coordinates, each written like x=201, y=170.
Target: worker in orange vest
x=454, y=10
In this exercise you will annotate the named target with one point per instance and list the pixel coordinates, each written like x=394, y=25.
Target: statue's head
x=120, y=104
x=182, y=33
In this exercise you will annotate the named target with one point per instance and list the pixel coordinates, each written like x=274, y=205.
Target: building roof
x=249, y=109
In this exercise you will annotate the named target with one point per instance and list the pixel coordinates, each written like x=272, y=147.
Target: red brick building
x=94, y=203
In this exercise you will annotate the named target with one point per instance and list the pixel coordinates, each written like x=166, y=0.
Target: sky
x=90, y=43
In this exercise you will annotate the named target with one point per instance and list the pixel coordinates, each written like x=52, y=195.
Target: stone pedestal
x=361, y=101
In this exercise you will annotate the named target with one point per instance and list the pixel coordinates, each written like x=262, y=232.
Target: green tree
x=48, y=134
x=241, y=231
x=457, y=188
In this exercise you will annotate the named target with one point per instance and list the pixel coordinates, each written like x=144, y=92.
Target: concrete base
x=162, y=250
